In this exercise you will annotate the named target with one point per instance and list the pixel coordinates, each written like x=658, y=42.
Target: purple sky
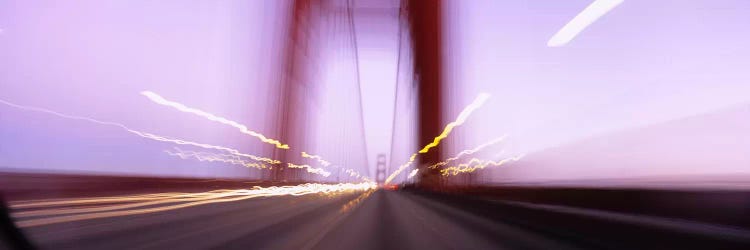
x=641, y=65
x=644, y=63
x=92, y=59
x=377, y=40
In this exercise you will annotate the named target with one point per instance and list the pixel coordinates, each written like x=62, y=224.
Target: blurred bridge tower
x=381, y=170
x=425, y=26
x=291, y=95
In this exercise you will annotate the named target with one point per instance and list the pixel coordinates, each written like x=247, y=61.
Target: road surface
x=376, y=220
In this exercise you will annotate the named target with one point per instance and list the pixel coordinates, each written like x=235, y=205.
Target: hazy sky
x=92, y=59
x=644, y=63
x=377, y=40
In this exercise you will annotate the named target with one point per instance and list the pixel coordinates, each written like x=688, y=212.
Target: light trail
x=468, y=152
x=412, y=174
x=141, y=133
x=97, y=200
x=349, y=171
x=147, y=201
x=168, y=202
x=589, y=15
x=310, y=169
x=242, y=128
x=317, y=158
x=211, y=157
x=354, y=173
x=401, y=168
x=476, y=164
x=354, y=203
x=477, y=103
x=232, y=159
x=465, y=113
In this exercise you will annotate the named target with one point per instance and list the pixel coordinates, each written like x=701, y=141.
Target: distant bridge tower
x=381, y=170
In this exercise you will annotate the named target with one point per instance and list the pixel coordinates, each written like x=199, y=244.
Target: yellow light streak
x=98, y=200
x=468, y=152
x=167, y=202
x=476, y=164
x=181, y=107
x=477, y=103
x=242, y=128
x=354, y=203
x=317, y=158
x=465, y=113
x=141, y=133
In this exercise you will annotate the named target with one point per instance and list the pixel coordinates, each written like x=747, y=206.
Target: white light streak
x=242, y=128
x=413, y=173
x=141, y=133
x=589, y=15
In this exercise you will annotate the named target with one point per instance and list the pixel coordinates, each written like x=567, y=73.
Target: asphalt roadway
x=375, y=220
